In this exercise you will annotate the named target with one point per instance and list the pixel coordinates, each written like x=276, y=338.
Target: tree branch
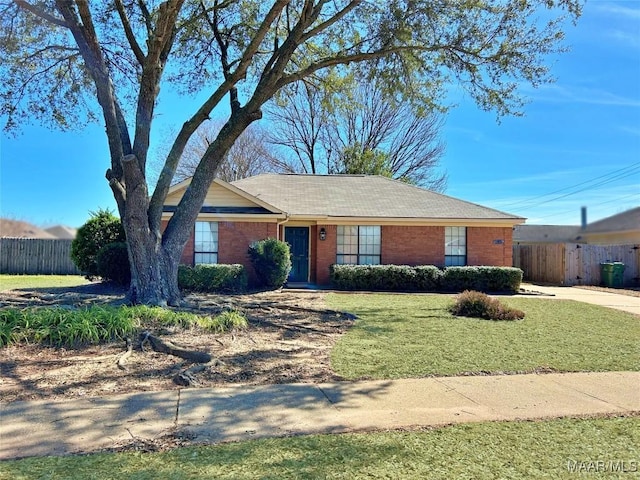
x=173, y=158
x=37, y=11
x=327, y=23
x=95, y=63
x=147, y=16
x=131, y=38
x=224, y=54
x=171, y=164
x=346, y=59
x=159, y=46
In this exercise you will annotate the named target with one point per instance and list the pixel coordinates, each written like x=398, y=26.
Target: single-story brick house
x=349, y=219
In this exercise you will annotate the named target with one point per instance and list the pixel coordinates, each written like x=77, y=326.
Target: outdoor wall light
x=323, y=234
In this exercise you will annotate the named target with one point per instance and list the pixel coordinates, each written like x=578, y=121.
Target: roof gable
x=222, y=196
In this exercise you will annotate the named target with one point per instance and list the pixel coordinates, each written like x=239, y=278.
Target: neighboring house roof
x=62, y=231
x=18, y=229
x=546, y=233
x=362, y=196
x=627, y=221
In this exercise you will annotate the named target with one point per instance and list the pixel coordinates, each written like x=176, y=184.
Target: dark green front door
x=298, y=240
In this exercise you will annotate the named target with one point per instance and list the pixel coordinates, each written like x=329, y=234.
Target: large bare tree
x=67, y=61
x=358, y=128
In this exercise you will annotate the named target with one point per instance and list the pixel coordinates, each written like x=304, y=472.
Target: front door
x=298, y=240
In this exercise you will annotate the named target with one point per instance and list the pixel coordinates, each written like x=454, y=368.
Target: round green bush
x=112, y=263
x=271, y=259
x=100, y=230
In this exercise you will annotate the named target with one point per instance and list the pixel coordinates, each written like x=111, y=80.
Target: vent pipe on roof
x=583, y=212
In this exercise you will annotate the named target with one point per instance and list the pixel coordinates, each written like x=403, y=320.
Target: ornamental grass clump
x=480, y=305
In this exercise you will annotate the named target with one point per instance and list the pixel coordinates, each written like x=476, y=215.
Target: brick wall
x=403, y=245
x=490, y=246
x=234, y=239
x=326, y=254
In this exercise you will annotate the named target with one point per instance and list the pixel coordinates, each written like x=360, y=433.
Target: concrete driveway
x=617, y=301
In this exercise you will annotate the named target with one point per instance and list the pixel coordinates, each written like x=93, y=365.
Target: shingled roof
x=621, y=222
x=361, y=196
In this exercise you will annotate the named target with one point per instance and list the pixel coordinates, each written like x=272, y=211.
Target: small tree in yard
x=67, y=62
x=271, y=260
x=102, y=229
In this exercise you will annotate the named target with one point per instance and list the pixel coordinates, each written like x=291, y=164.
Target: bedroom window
x=455, y=246
x=205, y=249
x=358, y=245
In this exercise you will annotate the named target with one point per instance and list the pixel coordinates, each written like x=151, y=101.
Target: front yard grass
x=12, y=282
x=508, y=450
x=403, y=336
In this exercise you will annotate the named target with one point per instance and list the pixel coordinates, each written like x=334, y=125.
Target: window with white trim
x=358, y=245
x=205, y=249
x=455, y=246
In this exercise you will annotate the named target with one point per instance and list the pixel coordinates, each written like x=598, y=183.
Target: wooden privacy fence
x=575, y=264
x=36, y=256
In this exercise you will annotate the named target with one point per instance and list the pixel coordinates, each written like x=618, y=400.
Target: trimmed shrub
x=479, y=305
x=385, y=277
x=271, y=260
x=425, y=278
x=100, y=230
x=213, y=278
x=428, y=278
x=112, y=262
x=485, y=279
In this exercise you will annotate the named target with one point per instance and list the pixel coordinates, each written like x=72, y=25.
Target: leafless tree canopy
x=250, y=155
x=315, y=128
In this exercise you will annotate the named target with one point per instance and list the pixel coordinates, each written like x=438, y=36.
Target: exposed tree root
x=125, y=356
x=159, y=345
x=186, y=377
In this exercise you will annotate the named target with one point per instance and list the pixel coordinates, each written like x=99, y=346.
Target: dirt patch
x=289, y=339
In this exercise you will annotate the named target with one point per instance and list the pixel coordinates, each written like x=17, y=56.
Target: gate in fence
x=575, y=264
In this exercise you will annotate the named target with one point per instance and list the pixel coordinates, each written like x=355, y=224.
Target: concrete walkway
x=617, y=301
x=239, y=413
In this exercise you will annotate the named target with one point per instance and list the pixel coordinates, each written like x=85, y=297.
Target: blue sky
x=577, y=145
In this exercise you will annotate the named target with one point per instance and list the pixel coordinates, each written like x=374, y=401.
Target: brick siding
x=404, y=245
x=234, y=239
x=400, y=245
x=490, y=246
x=326, y=254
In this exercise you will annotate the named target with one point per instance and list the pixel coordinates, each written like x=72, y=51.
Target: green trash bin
x=606, y=274
x=612, y=274
x=618, y=274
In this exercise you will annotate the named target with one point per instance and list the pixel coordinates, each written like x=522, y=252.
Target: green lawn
x=401, y=336
x=507, y=450
x=10, y=282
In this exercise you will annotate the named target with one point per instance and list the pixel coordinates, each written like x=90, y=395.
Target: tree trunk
x=154, y=265
x=154, y=271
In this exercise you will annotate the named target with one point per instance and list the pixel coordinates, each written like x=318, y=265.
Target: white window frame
x=359, y=245
x=205, y=250
x=455, y=246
